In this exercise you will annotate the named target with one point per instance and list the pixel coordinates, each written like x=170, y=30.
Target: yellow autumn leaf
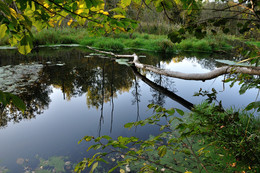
x=81, y=6
x=3, y=29
x=20, y=16
x=188, y=172
x=79, y=11
x=51, y=22
x=13, y=12
x=46, y=5
x=105, y=13
x=122, y=171
x=118, y=16
x=233, y=164
x=70, y=21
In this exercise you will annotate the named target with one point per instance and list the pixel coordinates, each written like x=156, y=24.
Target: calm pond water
x=70, y=94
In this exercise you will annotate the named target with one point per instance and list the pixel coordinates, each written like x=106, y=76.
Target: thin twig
x=197, y=158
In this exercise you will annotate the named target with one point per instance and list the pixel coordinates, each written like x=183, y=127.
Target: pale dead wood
x=187, y=76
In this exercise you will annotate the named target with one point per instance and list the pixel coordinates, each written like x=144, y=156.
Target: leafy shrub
x=166, y=46
x=121, y=35
x=68, y=40
x=210, y=139
x=201, y=45
x=186, y=45
x=87, y=42
x=110, y=44
x=146, y=36
x=136, y=43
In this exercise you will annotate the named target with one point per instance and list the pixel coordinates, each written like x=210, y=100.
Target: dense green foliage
x=125, y=40
x=19, y=18
x=210, y=139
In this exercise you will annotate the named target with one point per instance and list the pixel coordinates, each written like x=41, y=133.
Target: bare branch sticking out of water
x=186, y=76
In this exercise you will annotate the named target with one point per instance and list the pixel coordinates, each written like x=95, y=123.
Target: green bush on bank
x=121, y=41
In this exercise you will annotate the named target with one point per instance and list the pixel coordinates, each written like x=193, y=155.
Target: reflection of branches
x=101, y=120
x=136, y=94
x=112, y=98
x=158, y=97
x=36, y=99
x=163, y=90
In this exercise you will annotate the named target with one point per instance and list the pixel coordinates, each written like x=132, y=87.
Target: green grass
x=256, y=43
x=59, y=36
x=119, y=42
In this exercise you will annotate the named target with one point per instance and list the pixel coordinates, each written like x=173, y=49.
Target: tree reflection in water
x=98, y=78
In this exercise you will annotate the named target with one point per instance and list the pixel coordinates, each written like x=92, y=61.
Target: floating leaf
x=123, y=62
x=228, y=62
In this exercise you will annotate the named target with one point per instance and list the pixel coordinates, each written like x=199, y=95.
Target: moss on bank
x=122, y=41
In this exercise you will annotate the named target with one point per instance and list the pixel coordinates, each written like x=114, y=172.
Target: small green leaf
x=180, y=112
x=158, y=109
x=162, y=150
x=253, y=105
x=112, y=169
x=88, y=138
x=170, y=111
x=150, y=106
x=18, y=102
x=129, y=125
x=93, y=167
x=3, y=99
x=125, y=3
x=106, y=137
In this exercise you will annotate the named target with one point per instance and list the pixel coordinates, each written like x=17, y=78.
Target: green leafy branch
x=8, y=98
x=161, y=143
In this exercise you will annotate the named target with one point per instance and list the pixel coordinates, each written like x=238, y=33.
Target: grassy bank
x=254, y=43
x=125, y=40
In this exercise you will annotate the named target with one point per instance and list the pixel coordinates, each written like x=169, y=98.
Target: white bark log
x=187, y=76
x=198, y=76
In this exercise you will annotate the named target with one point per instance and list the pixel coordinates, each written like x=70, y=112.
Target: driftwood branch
x=186, y=76
x=197, y=76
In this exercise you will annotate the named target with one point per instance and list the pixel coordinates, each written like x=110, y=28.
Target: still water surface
x=70, y=94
